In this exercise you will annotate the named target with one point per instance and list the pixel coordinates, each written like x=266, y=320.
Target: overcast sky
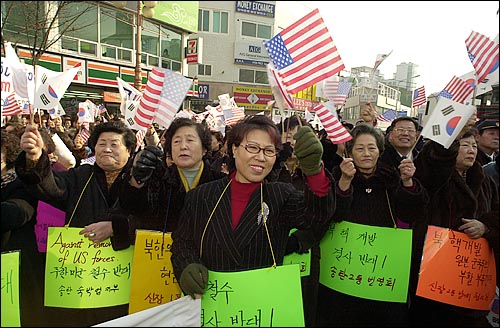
x=430, y=34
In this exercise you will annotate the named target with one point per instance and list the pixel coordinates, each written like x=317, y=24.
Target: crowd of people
x=207, y=188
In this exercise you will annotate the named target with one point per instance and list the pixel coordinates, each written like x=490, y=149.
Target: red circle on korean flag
x=452, y=124
x=471, y=82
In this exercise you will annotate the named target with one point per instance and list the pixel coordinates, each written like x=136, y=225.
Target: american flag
x=419, y=97
x=380, y=58
x=101, y=109
x=304, y=53
x=10, y=106
x=282, y=97
x=335, y=130
x=85, y=134
x=483, y=54
x=388, y=116
x=88, y=160
x=164, y=94
x=457, y=90
x=140, y=139
x=236, y=115
x=337, y=91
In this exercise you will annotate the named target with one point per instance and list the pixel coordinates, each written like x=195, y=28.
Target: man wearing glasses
x=401, y=139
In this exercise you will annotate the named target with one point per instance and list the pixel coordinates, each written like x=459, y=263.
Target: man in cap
x=487, y=141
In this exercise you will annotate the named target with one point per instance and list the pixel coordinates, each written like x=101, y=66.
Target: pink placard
x=46, y=216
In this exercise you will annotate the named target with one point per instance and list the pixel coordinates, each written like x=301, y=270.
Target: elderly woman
x=86, y=193
x=154, y=196
x=370, y=192
x=231, y=223
x=463, y=198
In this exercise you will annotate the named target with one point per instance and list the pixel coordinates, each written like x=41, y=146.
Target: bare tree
x=41, y=24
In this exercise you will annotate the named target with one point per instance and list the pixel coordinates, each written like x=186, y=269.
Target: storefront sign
x=252, y=98
x=250, y=53
x=255, y=8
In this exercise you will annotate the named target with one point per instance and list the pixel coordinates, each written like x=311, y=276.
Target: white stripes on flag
x=238, y=114
x=335, y=130
x=419, y=97
x=283, y=97
x=308, y=52
x=10, y=106
x=85, y=134
x=140, y=139
x=483, y=53
x=163, y=96
x=150, y=99
x=459, y=90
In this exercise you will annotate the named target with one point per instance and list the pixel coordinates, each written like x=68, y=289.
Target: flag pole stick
x=32, y=114
x=298, y=119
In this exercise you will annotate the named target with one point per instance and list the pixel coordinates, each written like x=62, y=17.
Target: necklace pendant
x=368, y=190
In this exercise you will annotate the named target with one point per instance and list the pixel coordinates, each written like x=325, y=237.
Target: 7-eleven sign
x=194, y=50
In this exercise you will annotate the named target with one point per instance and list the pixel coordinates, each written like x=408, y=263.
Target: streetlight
x=147, y=10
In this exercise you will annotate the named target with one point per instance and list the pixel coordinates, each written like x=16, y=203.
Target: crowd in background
x=159, y=183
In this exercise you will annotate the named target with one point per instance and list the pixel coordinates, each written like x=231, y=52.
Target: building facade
x=102, y=37
x=234, y=57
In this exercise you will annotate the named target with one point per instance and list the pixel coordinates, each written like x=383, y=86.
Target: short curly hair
x=11, y=147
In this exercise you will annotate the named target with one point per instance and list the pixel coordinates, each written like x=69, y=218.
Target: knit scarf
x=190, y=182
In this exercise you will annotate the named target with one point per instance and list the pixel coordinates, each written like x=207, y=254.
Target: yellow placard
x=153, y=281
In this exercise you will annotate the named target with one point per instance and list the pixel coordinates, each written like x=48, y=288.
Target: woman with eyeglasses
x=242, y=222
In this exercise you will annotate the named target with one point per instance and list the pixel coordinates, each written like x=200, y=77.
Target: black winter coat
x=156, y=206
x=62, y=190
x=247, y=247
x=366, y=202
x=453, y=198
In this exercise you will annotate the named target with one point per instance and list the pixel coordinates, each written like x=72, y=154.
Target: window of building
x=171, y=44
x=116, y=34
x=256, y=30
x=220, y=22
x=214, y=21
x=252, y=76
x=203, y=20
x=205, y=70
x=76, y=19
